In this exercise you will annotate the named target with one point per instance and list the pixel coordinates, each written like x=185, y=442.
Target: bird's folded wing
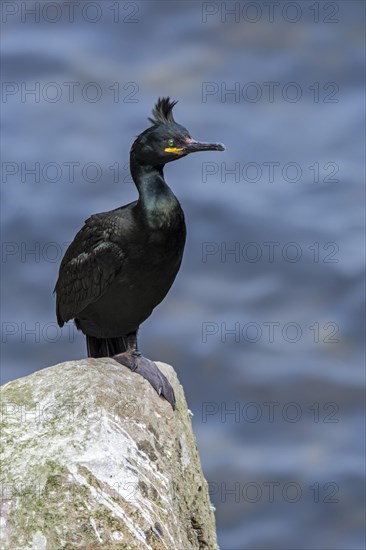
x=89, y=266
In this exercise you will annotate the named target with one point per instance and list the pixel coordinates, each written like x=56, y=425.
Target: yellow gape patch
x=173, y=150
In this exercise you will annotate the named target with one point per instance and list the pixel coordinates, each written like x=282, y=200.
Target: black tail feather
x=105, y=347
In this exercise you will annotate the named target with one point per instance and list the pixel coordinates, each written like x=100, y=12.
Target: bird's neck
x=157, y=201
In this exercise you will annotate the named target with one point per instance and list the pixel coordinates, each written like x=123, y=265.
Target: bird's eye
x=171, y=142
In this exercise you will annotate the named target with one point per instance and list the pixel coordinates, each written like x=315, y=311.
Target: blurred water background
x=278, y=401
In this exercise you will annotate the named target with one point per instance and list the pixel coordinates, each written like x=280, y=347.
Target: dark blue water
x=264, y=323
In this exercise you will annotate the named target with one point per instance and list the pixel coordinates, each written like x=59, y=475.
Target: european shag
x=122, y=263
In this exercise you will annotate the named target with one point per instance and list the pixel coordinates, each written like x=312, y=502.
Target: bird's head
x=166, y=140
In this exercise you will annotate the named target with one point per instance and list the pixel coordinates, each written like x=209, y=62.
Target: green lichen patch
x=98, y=468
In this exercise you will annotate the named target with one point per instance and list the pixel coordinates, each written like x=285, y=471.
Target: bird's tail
x=104, y=347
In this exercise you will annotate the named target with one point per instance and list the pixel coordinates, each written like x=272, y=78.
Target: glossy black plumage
x=113, y=275
x=122, y=263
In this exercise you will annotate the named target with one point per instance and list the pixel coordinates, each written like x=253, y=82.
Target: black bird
x=122, y=263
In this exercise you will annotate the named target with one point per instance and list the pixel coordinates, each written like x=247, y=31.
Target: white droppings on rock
x=39, y=542
x=184, y=455
x=133, y=476
x=2, y=526
x=93, y=524
x=105, y=500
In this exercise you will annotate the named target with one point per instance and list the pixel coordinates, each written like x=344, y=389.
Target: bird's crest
x=163, y=111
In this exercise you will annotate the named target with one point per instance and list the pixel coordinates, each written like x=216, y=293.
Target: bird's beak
x=193, y=146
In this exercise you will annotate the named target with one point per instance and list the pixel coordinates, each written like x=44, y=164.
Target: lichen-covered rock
x=93, y=458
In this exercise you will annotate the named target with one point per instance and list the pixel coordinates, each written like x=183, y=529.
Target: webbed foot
x=148, y=370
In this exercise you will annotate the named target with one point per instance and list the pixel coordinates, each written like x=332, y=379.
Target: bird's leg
x=134, y=360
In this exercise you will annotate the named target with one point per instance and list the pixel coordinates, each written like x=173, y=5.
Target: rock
x=94, y=458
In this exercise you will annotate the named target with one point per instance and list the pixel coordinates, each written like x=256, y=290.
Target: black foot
x=148, y=370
